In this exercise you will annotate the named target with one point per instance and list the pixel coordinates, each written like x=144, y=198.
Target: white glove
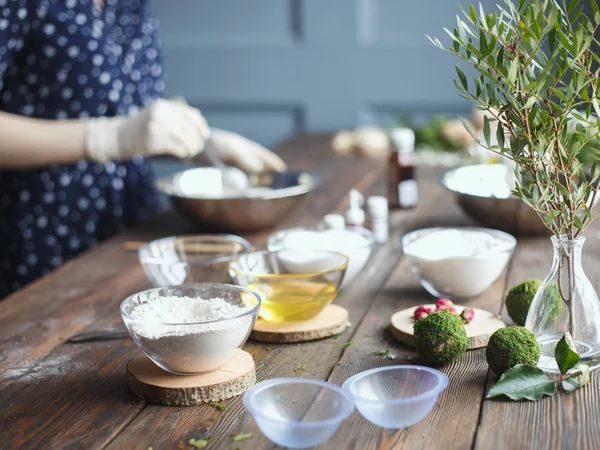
x=165, y=127
x=239, y=151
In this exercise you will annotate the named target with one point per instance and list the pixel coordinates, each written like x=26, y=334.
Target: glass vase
x=566, y=301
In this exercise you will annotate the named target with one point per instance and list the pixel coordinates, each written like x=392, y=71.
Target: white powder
x=456, y=243
x=459, y=263
x=190, y=346
x=348, y=242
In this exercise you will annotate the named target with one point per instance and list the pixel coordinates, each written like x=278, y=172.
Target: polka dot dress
x=63, y=59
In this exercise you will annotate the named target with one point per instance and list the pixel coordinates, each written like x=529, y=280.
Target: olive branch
x=536, y=81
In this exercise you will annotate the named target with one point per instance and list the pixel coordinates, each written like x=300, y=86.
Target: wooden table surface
x=56, y=395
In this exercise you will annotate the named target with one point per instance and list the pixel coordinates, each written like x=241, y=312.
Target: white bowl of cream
x=356, y=244
x=458, y=263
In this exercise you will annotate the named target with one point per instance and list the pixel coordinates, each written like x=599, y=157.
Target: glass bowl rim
x=364, y=232
x=442, y=383
x=246, y=312
x=266, y=276
x=146, y=259
x=259, y=387
x=508, y=247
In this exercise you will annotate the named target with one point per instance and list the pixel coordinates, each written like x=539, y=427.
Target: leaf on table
x=566, y=353
x=242, y=437
x=523, y=382
x=198, y=443
x=570, y=384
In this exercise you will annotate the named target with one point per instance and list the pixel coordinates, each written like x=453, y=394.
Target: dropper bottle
x=355, y=215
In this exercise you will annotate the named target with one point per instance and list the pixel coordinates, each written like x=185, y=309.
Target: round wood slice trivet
x=331, y=321
x=150, y=382
x=478, y=331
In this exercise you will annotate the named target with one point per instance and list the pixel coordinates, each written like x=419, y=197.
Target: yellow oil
x=292, y=300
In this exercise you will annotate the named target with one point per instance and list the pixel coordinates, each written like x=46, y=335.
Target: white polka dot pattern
x=63, y=59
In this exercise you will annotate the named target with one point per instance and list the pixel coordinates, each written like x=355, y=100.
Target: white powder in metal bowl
x=170, y=331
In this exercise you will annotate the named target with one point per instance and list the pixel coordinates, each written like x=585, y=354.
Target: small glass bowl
x=396, y=396
x=187, y=259
x=298, y=412
x=358, y=256
x=459, y=277
x=294, y=285
x=192, y=347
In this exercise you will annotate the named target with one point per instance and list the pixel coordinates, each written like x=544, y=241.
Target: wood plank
x=313, y=359
x=563, y=421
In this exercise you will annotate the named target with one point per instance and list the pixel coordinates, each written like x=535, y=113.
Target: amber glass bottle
x=403, y=191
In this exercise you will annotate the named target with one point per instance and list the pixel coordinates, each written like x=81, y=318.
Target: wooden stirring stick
x=134, y=246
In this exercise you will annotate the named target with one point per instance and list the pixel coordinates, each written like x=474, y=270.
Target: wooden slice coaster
x=150, y=382
x=478, y=331
x=331, y=321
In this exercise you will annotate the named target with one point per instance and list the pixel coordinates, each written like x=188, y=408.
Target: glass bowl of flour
x=458, y=263
x=192, y=328
x=357, y=244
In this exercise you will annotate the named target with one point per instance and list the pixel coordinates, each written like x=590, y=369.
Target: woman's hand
x=239, y=151
x=167, y=127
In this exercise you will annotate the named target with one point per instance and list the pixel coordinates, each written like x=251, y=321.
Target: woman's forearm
x=30, y=143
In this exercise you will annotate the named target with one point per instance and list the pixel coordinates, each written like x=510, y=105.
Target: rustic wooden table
x=58, y=395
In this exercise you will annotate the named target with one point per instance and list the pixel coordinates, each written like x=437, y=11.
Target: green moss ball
x=519, y=298
x=511, y=346
x=440, y=338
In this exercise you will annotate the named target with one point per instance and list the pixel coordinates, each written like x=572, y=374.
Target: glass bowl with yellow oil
x=294, y=285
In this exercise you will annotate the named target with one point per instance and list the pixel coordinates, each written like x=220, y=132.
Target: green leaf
x=198, y=443
x=523, y=382
x=462, y=77
x=473, y=14
x=570, y=384
x=512, y=72
x=500, y=135
x=566, y=353
x=530, y=102
x=594, y=6
x=486, y=129
x=242, y=437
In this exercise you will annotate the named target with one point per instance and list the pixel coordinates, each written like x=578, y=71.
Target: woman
x=80, y=82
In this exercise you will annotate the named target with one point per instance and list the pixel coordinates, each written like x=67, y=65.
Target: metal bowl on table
x=198, y=194
x=484, y=193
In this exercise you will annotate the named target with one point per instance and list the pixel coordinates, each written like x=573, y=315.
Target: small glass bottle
x=355, y=215
x=403, y=191
x=378, y=214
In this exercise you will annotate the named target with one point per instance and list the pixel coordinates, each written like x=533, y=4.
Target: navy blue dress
x=72, y=59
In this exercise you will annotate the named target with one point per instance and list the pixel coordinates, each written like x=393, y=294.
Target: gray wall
x=270, y=68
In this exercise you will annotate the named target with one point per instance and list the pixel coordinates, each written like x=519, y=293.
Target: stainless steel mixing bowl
x=272, y=196
x=484, y=194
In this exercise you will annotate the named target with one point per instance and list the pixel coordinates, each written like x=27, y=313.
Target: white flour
x=459, y=263
x=189, y=347
x=348, y=242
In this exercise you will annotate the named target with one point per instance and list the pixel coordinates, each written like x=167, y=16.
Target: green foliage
x=511, y=346
x=535, y=74
x=523, y=382
x=566, y=354
x=440, y=338
x=519, y=298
